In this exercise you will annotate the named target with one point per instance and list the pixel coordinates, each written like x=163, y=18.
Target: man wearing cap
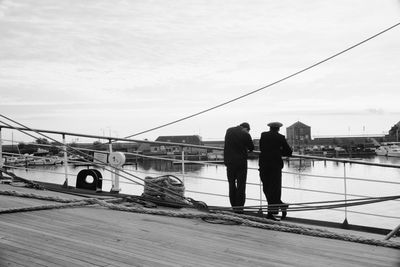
x=273, y=146
x=238, y=143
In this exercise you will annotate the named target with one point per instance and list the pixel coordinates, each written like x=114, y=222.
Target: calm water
x=212, y=179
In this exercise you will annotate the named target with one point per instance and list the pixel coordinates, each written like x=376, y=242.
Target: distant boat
x=15, y=160
x=45, y=161
x=390, y=149
x=42, y=161
x=21, y=160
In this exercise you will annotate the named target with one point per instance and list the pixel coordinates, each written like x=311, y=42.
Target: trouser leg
x=237, y=176
x=230, y=171
x=272, y=182
x=241, y=186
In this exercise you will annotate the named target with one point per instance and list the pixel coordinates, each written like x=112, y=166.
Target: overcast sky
x=125, y=66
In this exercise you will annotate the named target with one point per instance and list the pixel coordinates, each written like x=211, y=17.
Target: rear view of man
x=238, y=143
x=273, y=146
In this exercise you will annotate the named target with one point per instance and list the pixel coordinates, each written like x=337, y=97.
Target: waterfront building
x=298, y=135
x=394, y=133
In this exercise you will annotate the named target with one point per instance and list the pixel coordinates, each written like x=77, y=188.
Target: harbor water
x=303, y=181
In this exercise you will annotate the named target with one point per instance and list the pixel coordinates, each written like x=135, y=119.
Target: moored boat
x=390, y=149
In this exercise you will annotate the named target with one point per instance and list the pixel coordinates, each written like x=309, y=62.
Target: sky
x=122, y=67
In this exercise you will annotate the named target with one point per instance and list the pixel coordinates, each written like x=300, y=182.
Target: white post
x=65, y=161
x=116, y=182
x=183, y=163
x=116, y=160
x=114, y=172
x=345, y=222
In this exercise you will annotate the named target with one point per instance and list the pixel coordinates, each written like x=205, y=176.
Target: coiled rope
x=246, y=220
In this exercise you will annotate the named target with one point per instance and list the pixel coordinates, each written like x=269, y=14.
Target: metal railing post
x=392, y=233
x=1, y=154
x=65, y=161
x=114, y=177
x=345, y=222
x=183, y=163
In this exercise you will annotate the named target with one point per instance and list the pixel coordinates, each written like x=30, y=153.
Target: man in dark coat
x=238, y=143
x=273, y=146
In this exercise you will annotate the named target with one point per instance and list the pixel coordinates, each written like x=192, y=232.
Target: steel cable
x=271, y=84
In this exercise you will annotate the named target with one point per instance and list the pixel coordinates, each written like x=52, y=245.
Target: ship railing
x=183, y=162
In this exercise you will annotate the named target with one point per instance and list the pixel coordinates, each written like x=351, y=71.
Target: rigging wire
x=100, y=163
x=271, y=84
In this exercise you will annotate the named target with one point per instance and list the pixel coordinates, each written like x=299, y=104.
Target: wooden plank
x=174, y=237
x=90, y=236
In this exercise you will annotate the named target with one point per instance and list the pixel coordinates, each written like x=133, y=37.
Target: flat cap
x=275, y=124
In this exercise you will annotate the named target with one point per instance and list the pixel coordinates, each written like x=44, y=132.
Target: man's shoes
x=273, y=210
x=272, y=217
x=284, y=208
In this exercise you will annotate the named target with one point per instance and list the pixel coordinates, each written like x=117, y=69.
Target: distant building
x=394, y=133
x=175, y=149
x=298, y=135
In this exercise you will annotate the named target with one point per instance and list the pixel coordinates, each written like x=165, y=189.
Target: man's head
x=245, y=125
x=274, y=126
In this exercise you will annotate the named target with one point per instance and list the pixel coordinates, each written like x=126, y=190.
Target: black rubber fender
x=81, y=181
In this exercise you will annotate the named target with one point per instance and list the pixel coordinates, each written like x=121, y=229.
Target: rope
x=28, y=183
x=246, y=220
x=40, y=197
x=45, y=207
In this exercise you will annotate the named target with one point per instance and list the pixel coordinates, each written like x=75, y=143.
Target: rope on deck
x=246, y=220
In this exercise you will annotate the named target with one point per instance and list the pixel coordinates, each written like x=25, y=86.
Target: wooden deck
x=96, y=236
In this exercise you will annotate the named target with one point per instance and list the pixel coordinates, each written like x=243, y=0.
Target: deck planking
x=96, y=236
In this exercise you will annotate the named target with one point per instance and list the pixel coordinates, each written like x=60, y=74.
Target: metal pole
x=65, y=161
x=392, y=233
x=183, y=163
x=114, y=188
x=345, y=222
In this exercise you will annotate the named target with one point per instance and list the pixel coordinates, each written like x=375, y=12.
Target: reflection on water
x=168, y=166
x=309, y=175
x=299, y=164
